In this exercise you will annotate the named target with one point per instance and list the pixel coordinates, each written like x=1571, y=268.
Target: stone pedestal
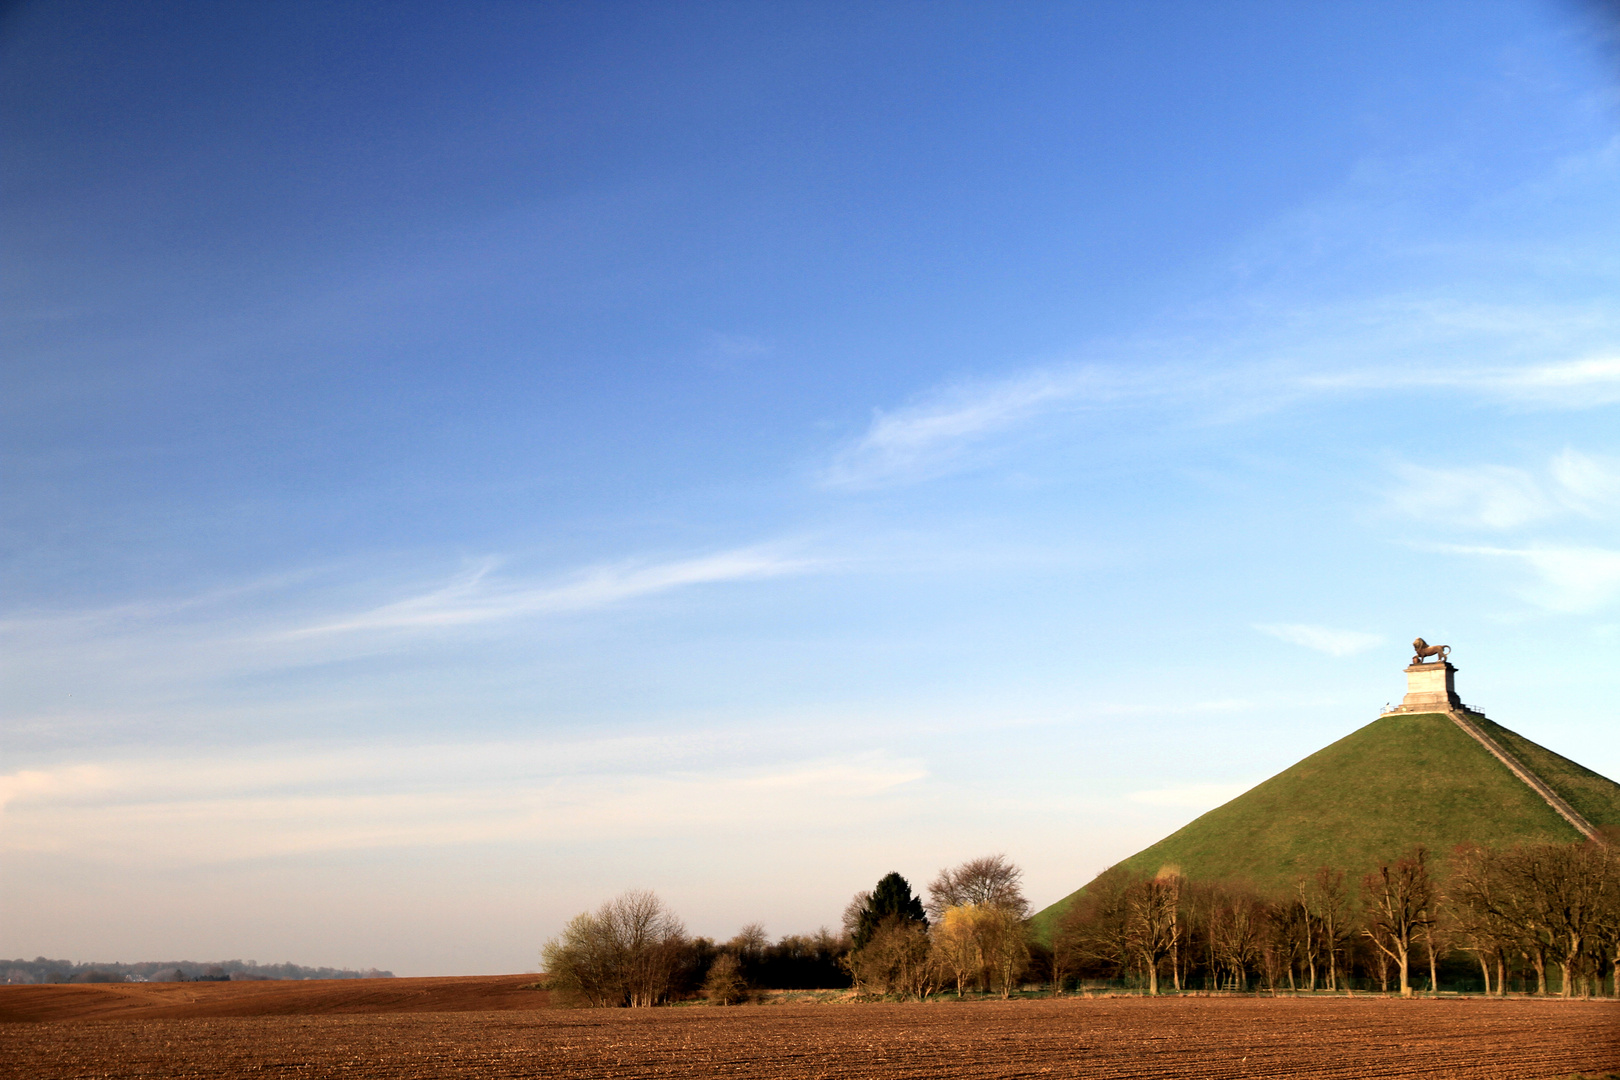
x=1430, y=688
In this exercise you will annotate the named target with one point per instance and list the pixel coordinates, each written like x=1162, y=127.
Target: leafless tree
x=852, y=912
x=1094, y=924
x=982, y=943
x=725, y=983
x=624, y=953
x=1399, y=900
x=1006, y=948
x=1567, y=889
x=748, y=947
x=1064, y=954
x=1481, y=912
x=1305, y=936
x=1237, y=928
x=958, y=951
x=990, y=880
x=1329, y=902
x=1152, y=924
x=897, y=959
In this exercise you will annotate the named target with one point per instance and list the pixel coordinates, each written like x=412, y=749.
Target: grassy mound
x=1401, y=780
x=1593, y=795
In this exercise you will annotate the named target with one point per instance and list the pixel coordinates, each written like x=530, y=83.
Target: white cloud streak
x=1499, y=497
x=219, y=810
x=1588, y=485
x=1568, y=384
x=1485, y=496
x=1571, y=580
x=477, y=597
x=933, y=435
x=1323, y=639
x=956, y=426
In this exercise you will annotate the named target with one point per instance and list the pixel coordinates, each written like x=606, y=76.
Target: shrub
x=627, y=952
x=725, y=983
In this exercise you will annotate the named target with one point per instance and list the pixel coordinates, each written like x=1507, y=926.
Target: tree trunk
x=1406, y=987
x=1485, y=970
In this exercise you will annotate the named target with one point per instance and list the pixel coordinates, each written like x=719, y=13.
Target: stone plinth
x=1430, y=688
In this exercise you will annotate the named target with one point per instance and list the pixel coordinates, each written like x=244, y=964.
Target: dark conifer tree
x=891, y=899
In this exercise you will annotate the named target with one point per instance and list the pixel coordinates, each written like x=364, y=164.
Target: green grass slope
x=1593, y=795
x=1401, y=780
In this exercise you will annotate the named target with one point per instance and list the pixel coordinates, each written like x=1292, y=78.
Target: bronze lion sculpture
x=1421, y=648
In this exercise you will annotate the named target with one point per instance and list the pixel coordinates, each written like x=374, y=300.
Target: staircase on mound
x=1430, y=771
x=1432, y=687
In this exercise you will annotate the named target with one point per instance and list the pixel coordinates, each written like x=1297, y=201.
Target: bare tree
x=986, y=944
x=896, y=959
x=1329, y=901
x=1005, y=937
x=990, y=880
x=652, y=937
x=1064, y=954
x=1400, y=906
x=957, y=948
x=1095, y=922
x=1567, y=888
x=1474, y=892
x=725, y=982
x=1305, y=937
x=1237, y=927
x=853, y=911
x=749, y=946
x=585, y=964
x=1152, y=924
x=624, y=953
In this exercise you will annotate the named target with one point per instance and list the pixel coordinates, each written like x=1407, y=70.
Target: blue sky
x=458, y=462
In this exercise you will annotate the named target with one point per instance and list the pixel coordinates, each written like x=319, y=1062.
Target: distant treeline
x=42, y=970
x=634, y=951
x=1537, y=918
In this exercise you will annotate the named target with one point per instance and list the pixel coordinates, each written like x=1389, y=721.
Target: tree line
x=1537, y=918
x=1542, y=918
x=633, y=951
x=44, y=970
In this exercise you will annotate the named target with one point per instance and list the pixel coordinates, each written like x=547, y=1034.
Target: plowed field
x=1105, y=1037
x=311, y=997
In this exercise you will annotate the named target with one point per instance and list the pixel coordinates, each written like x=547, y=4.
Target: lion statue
x=1421, y=649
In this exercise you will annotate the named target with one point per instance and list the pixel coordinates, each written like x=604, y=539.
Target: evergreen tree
x=891, y=899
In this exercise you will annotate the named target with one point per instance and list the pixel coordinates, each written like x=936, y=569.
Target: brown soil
x=1103, y=1037
x=312, y=997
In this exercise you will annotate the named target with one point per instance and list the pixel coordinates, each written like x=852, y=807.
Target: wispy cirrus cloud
x=1566, y=384
x=479, y=596
x=134, y=662
x=1483, y=496
x=958, y=425
x=213, y=810
x=1323, y=639
x=1568, y=579
x=1504, y=497
x=937, y=433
